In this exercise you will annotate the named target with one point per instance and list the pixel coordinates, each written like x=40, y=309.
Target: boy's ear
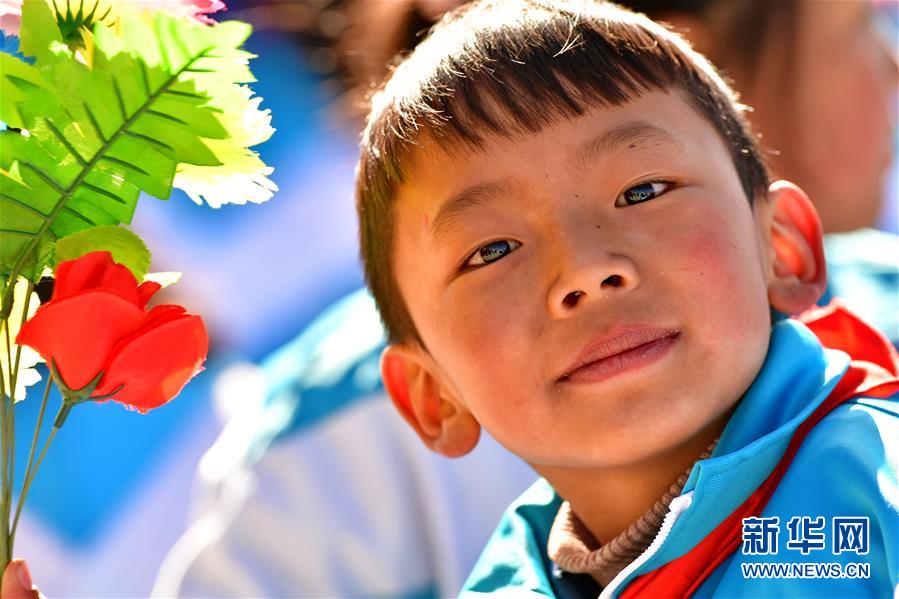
x=416, y=385
x=797, y=275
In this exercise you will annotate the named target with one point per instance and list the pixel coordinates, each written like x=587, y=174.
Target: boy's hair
x=497, y=68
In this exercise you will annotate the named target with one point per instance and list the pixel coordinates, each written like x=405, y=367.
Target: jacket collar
x=797, y=376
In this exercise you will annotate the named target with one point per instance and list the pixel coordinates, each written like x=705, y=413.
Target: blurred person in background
x=821, y=78
x=317, y=489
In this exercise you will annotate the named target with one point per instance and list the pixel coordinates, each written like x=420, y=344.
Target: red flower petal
x=145, y=291
x=78, y=332
x=152, y=319
x=95, y=270
x=155, y=365
x=162, y=313
x=73, y=276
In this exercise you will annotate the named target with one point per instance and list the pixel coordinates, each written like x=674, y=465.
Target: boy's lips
x=621, y=349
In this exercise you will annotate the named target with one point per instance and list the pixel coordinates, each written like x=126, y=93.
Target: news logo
x=850, y=535
x=760, y=535
x=805, y=535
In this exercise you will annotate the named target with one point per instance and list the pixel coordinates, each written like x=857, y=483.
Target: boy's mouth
x=619, y=351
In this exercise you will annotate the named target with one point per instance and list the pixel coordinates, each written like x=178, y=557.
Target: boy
x=571, y=238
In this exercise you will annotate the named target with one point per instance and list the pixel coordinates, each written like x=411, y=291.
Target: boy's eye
x=492, y=252
x=642, y=192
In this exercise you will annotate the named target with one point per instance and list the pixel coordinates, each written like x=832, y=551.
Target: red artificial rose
x=97, y=322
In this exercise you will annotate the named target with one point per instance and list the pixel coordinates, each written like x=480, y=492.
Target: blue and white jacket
x=846, y=467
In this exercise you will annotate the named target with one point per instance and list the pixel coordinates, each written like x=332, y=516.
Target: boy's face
x=544, y=262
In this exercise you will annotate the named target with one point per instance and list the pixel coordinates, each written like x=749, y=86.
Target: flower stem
x=8, y=442
x=10, y=422
x=6, y=423
x=5, y=488
x=28, y=468
x=9, y=412
x=27, y=485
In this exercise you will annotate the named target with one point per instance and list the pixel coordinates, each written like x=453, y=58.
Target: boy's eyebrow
x=629, y=133
x=452, y=209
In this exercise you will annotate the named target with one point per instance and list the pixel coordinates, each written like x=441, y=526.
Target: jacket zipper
x=677, y=507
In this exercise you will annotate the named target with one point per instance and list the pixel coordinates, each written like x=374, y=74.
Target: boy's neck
x=608, y=500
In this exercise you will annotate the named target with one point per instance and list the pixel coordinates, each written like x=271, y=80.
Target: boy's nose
x=594, y=279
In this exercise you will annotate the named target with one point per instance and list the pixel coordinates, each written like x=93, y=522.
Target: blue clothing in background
x=863, y=271
x=322, y=490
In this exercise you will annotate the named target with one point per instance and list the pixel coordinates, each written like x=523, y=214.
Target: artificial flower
x=97, y=324
x=243, y=176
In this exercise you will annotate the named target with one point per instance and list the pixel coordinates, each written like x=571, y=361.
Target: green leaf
x=78, y=17
x=99, y=135
x=40, y=35
x=125, y=246
x=17, y=77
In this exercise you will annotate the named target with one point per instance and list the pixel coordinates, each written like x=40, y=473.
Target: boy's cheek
x=725, y=280
x=488, y=330
x=482, y=305
x=492, y=339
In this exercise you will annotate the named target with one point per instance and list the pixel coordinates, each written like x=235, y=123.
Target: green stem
x=6, y=492
x=14, y=380
x=8, y=442
x=6, y=431
x=27, y=485
x=10, y=430
x=63, y=413
x=37, y=428
x=8, y=424
x=11, y=441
